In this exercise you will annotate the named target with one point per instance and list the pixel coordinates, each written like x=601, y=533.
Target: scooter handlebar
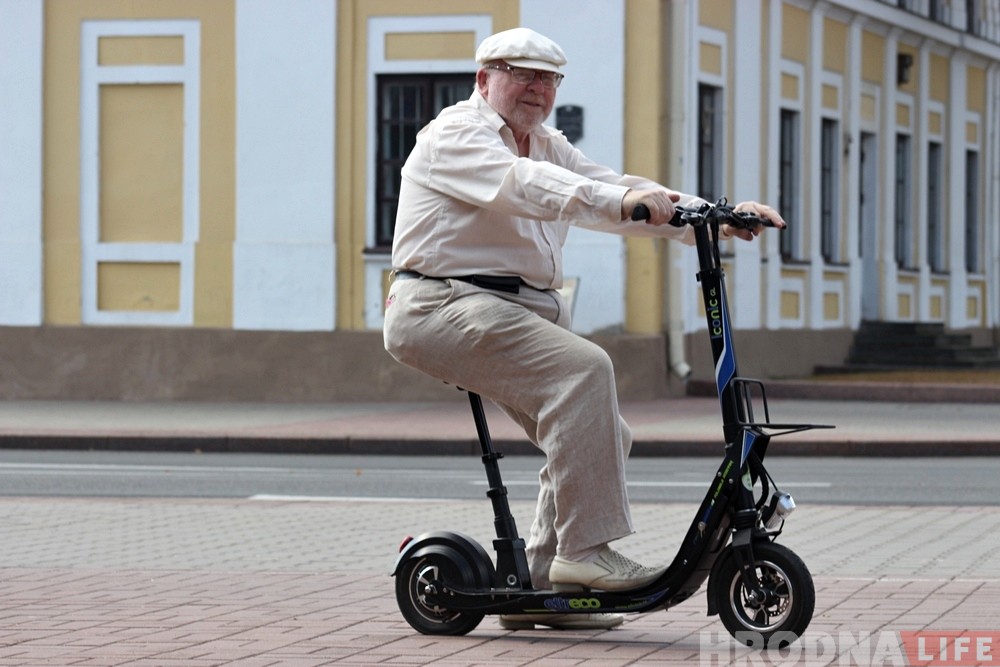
x=724, y=214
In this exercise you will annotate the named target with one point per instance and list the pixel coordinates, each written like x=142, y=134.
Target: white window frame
x=378, y=264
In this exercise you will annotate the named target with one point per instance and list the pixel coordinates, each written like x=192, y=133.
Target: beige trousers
x=516, y=350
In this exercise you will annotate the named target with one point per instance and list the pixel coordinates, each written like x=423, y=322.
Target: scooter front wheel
x=412, y=582
x=777, y=609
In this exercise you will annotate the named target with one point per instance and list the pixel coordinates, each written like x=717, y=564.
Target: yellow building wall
x=140, y=201
x=976, y=89
x=872, y=57
x=717, y=14
x=645, y=154
x=834, y=46
x=938, y=78
x=795, y=30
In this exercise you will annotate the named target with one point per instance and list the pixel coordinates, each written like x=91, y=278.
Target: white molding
x=93, y=250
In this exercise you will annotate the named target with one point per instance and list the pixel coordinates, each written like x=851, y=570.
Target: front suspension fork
x=744, y=530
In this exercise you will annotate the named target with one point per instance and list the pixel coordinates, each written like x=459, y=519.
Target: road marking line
x=270, y=497
x=694, y=485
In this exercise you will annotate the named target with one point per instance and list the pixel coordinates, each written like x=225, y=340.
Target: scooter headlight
x=777, y=510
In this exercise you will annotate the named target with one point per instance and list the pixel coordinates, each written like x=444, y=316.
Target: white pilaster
x=772, y=243
x=956, y=144
x=851, y=182
x=595, y=82
x=887, y=153
x=284, y=273
x=748, y=74
x=813, y=134
x=21, y=55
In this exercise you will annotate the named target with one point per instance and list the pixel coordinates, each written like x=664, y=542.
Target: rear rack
x=743, y=396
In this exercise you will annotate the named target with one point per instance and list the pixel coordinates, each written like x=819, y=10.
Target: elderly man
x=487, y=197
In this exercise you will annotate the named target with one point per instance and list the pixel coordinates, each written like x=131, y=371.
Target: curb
x=887, y=392
x=430, y=447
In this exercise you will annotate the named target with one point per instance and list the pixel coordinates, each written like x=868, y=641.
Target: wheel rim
x=423, y=574
x=774, y=607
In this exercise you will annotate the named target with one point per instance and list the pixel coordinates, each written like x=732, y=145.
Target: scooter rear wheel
x=778, y=610
x=414, y=577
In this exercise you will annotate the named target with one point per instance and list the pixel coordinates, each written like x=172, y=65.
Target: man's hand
x=659, y=202
x=761, y=211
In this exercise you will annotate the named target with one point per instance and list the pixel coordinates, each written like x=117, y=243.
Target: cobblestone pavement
x=155, y=582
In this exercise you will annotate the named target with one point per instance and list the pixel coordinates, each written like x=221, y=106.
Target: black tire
x=425, y=617
x=786, y=608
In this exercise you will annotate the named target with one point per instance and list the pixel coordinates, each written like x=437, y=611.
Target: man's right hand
x=660, y=203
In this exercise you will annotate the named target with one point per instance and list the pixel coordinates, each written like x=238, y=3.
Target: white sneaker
x=561, y=621
x=611, y=571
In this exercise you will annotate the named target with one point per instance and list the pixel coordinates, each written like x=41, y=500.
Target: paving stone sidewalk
x=200, y=583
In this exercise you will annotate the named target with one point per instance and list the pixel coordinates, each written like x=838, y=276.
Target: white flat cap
x=522, y=47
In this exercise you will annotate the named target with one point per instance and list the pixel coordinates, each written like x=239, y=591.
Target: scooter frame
x=459, y=584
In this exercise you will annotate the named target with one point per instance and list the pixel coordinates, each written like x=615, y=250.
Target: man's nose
x=536, y=83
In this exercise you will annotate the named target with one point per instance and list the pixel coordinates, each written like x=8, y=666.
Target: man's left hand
x=761, y=211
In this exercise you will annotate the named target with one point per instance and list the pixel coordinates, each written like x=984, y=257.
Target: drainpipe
x=679, y=15
x=675, y=311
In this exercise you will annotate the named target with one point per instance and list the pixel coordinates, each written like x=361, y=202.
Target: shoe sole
x=530, y=625
x=570, y=588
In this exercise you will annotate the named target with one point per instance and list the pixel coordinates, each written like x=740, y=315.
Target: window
x=788, y=183
x=973, y=261
x=935, y=205
x=829, y=188
x=405, y=104
x=709, y=142
x=935, y=11
x=904, y=254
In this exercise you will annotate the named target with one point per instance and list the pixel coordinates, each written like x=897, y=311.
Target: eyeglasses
x=524, y=76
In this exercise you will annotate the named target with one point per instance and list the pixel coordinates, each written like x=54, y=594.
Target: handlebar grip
x=750, y=220
x=640, y=212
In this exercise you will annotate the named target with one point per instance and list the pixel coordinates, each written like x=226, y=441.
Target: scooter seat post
x=512, y=563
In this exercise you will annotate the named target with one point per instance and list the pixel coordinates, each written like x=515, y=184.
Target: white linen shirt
x=469, y=205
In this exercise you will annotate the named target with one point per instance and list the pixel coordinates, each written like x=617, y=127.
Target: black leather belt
x=509, y=284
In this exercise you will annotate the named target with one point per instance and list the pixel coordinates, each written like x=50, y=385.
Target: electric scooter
x=762, y=592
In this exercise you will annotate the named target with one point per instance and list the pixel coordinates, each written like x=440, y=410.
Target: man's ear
x=482, y=78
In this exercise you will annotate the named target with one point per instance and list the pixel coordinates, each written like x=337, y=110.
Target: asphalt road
x=819, y=480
